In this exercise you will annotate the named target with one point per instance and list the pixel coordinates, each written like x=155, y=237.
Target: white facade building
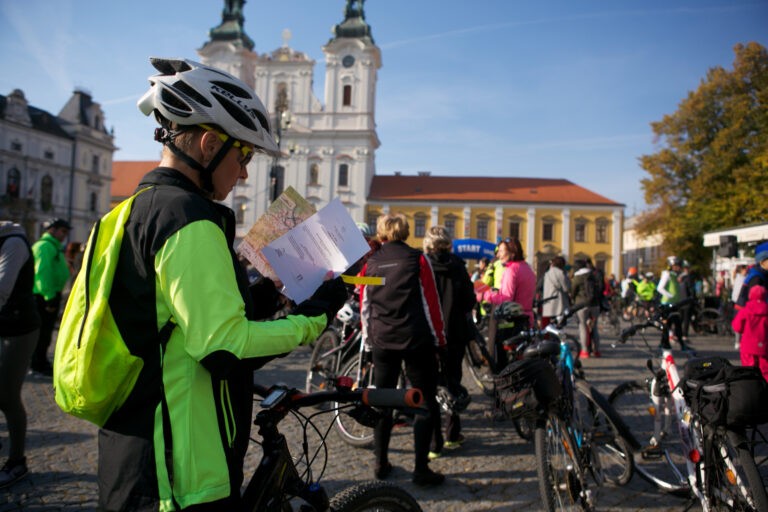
x=54, y=166
x=328, y=147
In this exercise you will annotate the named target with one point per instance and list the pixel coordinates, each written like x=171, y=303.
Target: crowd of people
x=178, y=253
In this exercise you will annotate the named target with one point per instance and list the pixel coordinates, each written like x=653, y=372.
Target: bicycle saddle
x=546, y=348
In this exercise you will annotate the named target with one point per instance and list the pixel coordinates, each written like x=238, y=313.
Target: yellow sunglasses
x=246, y=151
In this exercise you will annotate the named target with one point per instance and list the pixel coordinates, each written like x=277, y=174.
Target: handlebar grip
x=376, y=397
x=260, y=390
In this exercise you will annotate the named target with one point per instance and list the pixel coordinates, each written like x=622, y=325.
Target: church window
x=46, y=193
x=347, y=96
x=314, y=174
x=343, y=175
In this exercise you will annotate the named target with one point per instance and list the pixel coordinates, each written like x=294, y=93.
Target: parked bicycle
x=578, y=437
x=680, y=450
x=278, y=480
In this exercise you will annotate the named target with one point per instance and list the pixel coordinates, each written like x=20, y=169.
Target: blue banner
x=473, y=249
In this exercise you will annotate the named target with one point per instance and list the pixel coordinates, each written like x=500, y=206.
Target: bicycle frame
x=683, y=418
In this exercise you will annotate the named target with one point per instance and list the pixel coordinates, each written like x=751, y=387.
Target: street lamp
x=282, y=122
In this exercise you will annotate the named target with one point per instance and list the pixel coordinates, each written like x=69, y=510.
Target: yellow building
x=548, y=216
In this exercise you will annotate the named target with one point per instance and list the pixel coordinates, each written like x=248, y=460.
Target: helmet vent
x=173, y=101
x=232, y=88
x=236, y=112
x=193, y=94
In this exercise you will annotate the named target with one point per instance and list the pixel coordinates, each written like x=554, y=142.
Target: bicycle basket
x=526, y=387
x=723, y=394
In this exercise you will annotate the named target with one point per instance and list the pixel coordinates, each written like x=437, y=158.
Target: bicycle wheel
x=735, y=482
x=374, y=496
x=524, y=427
x=707, y=321
x=324, y=362
x=478, y=363
x=660, y=461
x=350, y=431
x=556, y=466
x=604, y=436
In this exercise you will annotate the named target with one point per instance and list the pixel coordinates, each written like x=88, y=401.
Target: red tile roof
x=126, y=176
x=482, y=189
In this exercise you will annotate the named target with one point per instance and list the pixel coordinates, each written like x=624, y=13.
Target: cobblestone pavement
x=494, y=470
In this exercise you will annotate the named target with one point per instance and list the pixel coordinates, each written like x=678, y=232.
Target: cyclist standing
x=180, y=438
x=402, y=322
x=670, y=290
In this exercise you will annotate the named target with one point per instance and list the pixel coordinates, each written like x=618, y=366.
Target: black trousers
x=421, y=370
x=47, y=322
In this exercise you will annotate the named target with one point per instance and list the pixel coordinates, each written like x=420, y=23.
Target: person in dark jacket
x=756, y=275
x=19, y=327
x=402, y=322
x=179, y=439
x=457, y=298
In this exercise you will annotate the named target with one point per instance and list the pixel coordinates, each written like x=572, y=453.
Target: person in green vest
x=51, y=275
x=669, y=289
x=645, y=289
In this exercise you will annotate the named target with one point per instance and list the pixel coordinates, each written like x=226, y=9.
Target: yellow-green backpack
x=93, y=370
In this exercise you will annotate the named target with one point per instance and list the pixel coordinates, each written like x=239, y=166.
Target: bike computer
x=273, y=398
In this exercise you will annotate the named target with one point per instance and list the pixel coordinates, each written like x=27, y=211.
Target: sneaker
x=584, y=354
x=434, y=455
x=428, y=477
x=452, y=445
x=13, y=471
x=382, y=472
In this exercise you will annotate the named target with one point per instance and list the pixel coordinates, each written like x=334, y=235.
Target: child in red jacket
x=752, y=322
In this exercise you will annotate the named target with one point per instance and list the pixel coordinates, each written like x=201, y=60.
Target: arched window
x=13, y=183
x=314, y=174
x=46, y=193
x=343, y=175
x=347, y=96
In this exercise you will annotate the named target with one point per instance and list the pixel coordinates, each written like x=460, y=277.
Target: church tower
x=327, y=149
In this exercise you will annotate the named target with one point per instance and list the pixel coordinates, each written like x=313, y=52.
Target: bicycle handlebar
x=373, y=397
x=663, y=312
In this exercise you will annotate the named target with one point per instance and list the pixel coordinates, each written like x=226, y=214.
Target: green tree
x=711, y=170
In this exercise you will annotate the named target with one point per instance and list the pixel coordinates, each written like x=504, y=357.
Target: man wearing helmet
x=670, y=290
x=179, y=439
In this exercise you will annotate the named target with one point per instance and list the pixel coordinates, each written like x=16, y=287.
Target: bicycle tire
x=374, y=496
x=744, y=490
x=349, y=430
x=323, y=367
x=524, y=427
x=662, y=466
x=707, y=321
x=558, y=485
x=478, y=365
x=607, y=435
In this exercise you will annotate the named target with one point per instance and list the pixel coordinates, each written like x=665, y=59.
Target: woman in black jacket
x=457, y=298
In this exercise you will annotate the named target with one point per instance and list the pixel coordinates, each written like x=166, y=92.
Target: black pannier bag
x=526, y=387
x=723, y=394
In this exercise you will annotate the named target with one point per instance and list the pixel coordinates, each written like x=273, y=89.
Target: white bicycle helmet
x=190, y=93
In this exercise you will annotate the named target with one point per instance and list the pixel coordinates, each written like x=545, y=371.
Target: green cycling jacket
x=51, y=269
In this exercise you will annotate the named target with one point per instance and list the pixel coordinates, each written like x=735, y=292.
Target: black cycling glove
x=327, y=299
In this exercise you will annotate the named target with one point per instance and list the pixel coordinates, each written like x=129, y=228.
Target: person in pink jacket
x=518, y=284
x=752, y=323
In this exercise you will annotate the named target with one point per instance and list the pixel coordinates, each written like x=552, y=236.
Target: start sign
x=473, y=249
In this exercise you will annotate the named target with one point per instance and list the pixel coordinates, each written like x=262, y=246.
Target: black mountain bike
x=280, y=480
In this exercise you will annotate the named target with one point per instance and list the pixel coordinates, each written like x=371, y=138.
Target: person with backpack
x=182, y=304
x=586, y=290
x=51, y=275
x=19, y=326
x=752, y=323
x=457, y=298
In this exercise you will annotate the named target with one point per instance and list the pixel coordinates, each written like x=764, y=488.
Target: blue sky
x=558, y=89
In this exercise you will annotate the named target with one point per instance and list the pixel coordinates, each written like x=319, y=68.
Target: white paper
x=328, y=240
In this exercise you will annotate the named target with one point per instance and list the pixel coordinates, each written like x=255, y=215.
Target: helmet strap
x=206, y=173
